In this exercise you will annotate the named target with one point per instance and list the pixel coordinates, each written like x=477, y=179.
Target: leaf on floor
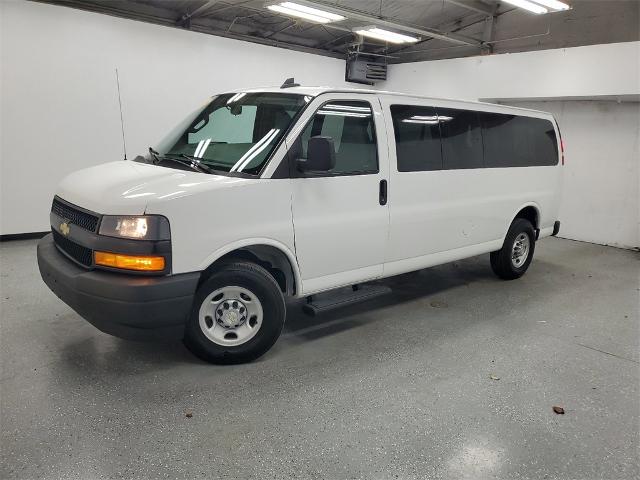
x=558, y=410
x=188, y=413
x=439, y=304
x=494, y=377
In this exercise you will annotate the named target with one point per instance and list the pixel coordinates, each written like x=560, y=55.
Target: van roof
x=314, y=91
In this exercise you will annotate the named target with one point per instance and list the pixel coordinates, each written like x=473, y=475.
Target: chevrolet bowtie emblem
x=64, y=228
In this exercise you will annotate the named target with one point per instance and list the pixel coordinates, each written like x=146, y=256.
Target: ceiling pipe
x=391, y=23
x=474, y=5
x=185, y=20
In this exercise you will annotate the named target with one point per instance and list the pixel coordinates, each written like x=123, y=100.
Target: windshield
x=233, y=133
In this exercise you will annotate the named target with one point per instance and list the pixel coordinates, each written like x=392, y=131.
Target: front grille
x=73, y=215
x=80, y=254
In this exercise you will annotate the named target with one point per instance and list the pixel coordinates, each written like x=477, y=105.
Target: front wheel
x=237, y=315
x=513, y=259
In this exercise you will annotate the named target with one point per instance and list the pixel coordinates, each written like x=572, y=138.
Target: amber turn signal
x=129, y=262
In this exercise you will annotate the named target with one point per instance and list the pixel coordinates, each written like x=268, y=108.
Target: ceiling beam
x=217, y=30
x=475, y=5
x=185, y=20
x=488, y=35
x=393, y=24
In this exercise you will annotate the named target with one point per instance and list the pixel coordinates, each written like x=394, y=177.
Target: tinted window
x=350, y=125
x=515, y=141
x=417, y=134
x=461, y=138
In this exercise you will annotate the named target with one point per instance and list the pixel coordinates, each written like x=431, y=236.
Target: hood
x=126, y=187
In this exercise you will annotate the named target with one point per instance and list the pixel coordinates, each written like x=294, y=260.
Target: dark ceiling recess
x=446, y=28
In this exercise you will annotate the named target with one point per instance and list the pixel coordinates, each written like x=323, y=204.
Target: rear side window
x=417, y=135
x=516, y=141
x=350, y=125
x=461, y=139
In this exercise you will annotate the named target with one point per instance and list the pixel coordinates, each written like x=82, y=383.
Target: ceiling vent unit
x=368, y=71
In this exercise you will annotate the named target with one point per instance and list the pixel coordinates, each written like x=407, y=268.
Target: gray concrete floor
x=397, y=388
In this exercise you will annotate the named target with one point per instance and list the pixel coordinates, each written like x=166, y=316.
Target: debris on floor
x=189, y=413
x=439, y=304
x=558, y=410
x=494, y=377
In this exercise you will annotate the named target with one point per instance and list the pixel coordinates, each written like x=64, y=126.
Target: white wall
x=601, y=175
x=59, y=105
x=601, y=198
x=590, y=71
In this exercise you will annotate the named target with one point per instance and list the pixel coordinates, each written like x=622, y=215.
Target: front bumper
x=122, y=305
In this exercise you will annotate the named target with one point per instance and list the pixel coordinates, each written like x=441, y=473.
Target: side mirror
x=321, y=155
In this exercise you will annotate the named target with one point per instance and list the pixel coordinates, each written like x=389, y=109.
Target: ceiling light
x=554, y=4
x=303, y=11
x=527, y=5
x=386, y=35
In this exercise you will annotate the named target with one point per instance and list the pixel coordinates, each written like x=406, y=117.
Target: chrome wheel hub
x=230, y=316
x=520, y=250
x=231, y=313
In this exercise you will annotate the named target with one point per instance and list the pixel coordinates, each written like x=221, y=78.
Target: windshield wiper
x=154, y=154
x=190, y=162
x=196, y=162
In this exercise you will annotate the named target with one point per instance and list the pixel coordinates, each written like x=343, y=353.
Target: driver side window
x=350, y=125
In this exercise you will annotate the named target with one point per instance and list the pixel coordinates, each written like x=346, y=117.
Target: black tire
x=255, y=279
x=501, y=261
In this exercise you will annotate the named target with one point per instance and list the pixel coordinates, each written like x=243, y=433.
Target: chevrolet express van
x=289, y=192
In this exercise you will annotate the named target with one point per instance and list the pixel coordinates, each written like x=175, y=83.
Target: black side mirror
x=321, y=155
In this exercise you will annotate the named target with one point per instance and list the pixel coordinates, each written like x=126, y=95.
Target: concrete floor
x=397, y=388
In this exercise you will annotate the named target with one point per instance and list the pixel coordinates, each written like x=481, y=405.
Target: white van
x=288, y=192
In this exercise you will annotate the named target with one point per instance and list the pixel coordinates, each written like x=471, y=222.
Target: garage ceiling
x=450, y=28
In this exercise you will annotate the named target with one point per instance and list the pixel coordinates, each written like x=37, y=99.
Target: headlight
x=145, y=227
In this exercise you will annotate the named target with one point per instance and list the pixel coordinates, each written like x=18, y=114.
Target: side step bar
x=342, y=298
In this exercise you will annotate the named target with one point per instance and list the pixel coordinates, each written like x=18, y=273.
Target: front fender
x=249, y=242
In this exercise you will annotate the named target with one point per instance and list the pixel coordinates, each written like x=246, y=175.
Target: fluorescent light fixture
x=386, y=35
x=305, y=12
x=553, y=4
x=527, y=5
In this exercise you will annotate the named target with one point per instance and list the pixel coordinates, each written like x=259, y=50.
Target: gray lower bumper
x=126, y=306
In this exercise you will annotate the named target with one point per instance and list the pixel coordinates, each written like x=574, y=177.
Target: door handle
x=382, y=194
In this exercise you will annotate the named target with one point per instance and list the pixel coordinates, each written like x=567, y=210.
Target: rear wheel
x=237, y=315
x=513, y=259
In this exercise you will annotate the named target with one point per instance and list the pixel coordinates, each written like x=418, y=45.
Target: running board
x=325, y=302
